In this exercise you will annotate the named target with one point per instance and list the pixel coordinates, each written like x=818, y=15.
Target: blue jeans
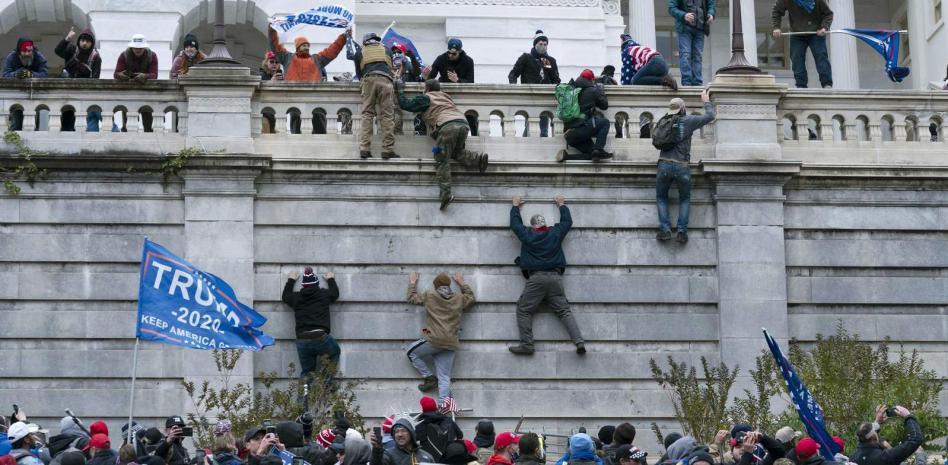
x=681, y=174
x=690, y=49
x=92, y=121
x=581, y=137
x=313, y=353
x=817, y=45
x=652, y=73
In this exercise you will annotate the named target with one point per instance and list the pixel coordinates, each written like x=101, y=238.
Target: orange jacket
x=311, y=68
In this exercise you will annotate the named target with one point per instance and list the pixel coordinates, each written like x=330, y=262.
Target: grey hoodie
x=681, y=152
x=681, y=448
x=397, y=456
x=358, y=452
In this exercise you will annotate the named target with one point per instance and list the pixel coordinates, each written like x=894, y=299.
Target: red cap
x=470, y=446
x=428, y=404
x=400, y=47
x=271, y=55
x=387, y=424
x=839, y=442
x=807, y=448
x=587, y=74
x=100, y=441
x=24, y=44
x=99, y=427
x=505, y=439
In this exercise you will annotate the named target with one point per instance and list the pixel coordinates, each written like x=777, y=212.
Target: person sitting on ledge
x=592, y=123
x=644, y=66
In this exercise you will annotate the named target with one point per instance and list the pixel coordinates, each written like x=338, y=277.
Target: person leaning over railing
x=536, y=67
x=82, y=62
x=24, y=62
x=138, y=62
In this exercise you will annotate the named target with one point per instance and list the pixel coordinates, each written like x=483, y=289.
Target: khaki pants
x=378, y=98
x=452, y=138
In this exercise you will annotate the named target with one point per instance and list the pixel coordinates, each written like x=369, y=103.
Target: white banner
x=334, y=16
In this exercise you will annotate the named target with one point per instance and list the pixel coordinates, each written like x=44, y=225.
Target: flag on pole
x=390, y=38
x=334, y=16
x=810, y=412
x=887, y=44
x=179, y=304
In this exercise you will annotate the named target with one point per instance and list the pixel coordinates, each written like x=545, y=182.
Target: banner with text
x=181, y=305
x=323, y=16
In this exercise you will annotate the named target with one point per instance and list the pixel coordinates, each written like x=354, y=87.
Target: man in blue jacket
x=693, y=20
x=542, y=262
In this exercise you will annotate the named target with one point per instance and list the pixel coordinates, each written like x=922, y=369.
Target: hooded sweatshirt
x=442, y=316
x=13, y=64
x=80, y=63
x=398, y=456
x=310, y=305
x=358, y=452
x=681, y=448
x=70, y=436
x=582, y=451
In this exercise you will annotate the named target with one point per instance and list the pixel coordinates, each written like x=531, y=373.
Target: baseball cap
x=786, y=434
x=174, y=420
x=505, y=439
x=253, y=431
x=20, y=430
x=674, y=107
x=806, y=448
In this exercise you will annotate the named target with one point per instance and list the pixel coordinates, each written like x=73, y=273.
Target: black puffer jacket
x=530, y=71
x=874, y=454
x=310, y=305
x=591, y=98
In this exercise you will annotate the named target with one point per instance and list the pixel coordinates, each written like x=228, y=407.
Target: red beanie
x=807, y=448
x=471, y=447
x=428, y=404
x=100, y=441
x=99, y=427
x=325, y=438
x=24, y=44
x=387, y=424
x=587, y=74
x=839, y=442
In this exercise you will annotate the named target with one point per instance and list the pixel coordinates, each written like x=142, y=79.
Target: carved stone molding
x=219, y=104
x=554, y=3
x=736, y=111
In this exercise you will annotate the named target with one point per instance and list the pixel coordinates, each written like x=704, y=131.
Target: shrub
x=700, y=405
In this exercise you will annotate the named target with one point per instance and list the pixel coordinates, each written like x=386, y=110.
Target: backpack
x=567, y=102
x=667, y=132
x=437, y=437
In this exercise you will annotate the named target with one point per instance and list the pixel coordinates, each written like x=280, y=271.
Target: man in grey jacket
x=406, y=450
x=673, y=166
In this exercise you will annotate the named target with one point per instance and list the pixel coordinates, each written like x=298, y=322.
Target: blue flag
x=810, y=412
x=887, y=44
x=390, y=38
x=181, y=305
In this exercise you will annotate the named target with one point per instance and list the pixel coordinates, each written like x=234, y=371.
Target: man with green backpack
x=672, y=135
x=577, y=105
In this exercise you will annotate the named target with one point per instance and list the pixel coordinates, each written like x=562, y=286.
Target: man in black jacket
x=536, y=67
x=871, y=450
x=452, y=66
x=311, y=308
x=406, y=450
x=171, y=449
x=435, y=430
x=580, y=131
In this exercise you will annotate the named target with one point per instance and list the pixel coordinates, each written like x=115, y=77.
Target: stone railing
x=237, y=113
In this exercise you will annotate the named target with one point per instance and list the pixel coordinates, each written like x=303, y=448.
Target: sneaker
x=668, y=81
x=363, y=154
x=581, y=348
x=681, y=237
x=429, y=383
x=445, y=201
x=599, y=155
x=560, y=156
x=521, y=349
x=482, y=163
x=664, y=235
x=827, y=86
x=387, y=155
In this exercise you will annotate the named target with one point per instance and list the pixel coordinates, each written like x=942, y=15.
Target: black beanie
x=670, y=439
x=191, y=40
x=606, y=433
x=540, y=36
x=625, y=434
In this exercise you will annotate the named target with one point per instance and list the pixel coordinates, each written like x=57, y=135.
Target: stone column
x=752, y=278
x=745, y=122
x=842, y=48
x=219, y=110
x=642, y=21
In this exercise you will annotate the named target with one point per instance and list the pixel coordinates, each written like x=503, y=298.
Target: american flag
x=449, y=406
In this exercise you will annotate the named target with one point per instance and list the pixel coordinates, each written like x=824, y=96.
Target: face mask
x=541, y=49
x=190, y=53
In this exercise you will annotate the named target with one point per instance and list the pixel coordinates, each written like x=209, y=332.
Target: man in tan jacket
x=443, y=309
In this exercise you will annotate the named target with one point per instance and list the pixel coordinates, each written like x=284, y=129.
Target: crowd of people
x=433, y=436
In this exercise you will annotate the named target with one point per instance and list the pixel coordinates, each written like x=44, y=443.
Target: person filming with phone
x=873, y=450
x=172, y=450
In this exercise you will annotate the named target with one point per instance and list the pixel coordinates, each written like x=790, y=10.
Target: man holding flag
x=813, y=18
x=300, y=65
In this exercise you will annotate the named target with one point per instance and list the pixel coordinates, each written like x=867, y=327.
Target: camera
x=269, y=427
x=890, y=412
x=187, y=431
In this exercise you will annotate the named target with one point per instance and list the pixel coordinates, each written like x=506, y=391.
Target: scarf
x=445, y=292
x=807, y=5
x=541, y=229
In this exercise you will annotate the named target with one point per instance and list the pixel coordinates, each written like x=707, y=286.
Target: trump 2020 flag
x=324, y=16
x=390, y=38
x=887, y=44
x=810, y=412
x=181, y=305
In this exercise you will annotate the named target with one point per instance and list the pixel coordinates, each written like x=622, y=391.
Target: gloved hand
x=24, y=73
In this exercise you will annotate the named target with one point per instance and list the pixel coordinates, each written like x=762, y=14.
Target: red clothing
x=498, y=460
x=305, y=68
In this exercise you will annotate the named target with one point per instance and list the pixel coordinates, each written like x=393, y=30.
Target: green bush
x=700, y=404
x=245, y=407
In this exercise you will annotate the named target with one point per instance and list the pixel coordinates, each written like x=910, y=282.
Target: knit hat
x=609, y=70
x=99, y=427
x=839, y=442
x=701, y=455
x=628, y=451
x=625, y=434
x=454, y=43
x=72, y=458
x=371, y=38
x=427, y=403
x=674, y=108
x=786, y=434
x=222, y=426
x=325, y=437
x=580, y=443
x=540, y=36
x=152, y=436
x=190, y=40
x=588, y=74
x=24, y=44
x=387, y=424
x=457, y=453
x=442, y=280
x=100, y=441
x=670, y=439
x=300, y=40
x=505, y=439
x=606, y=433
x=806, y=448
x=309, y=278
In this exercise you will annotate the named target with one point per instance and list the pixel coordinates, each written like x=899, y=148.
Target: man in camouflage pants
x=449, y=128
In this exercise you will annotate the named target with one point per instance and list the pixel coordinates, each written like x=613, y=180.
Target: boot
x=482, y=163
x=561, y=156
x=669, y=82
x=664, y=235
x=581, y=348
x=430, y=382
x=445, y=201
x=522, y=349
x=387, y=155
x=365, y=154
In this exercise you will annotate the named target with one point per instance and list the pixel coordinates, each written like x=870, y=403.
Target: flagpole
x=131, y=395
x=810, y=33
x=389, y=27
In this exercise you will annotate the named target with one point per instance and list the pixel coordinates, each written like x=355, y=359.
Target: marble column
x=842, y=48
x=642, y=21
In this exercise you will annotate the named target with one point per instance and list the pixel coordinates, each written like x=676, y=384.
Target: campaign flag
x=390, y=38
x=887, y=44
x=179, y=304
x=324, y=16
x=810, y=412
